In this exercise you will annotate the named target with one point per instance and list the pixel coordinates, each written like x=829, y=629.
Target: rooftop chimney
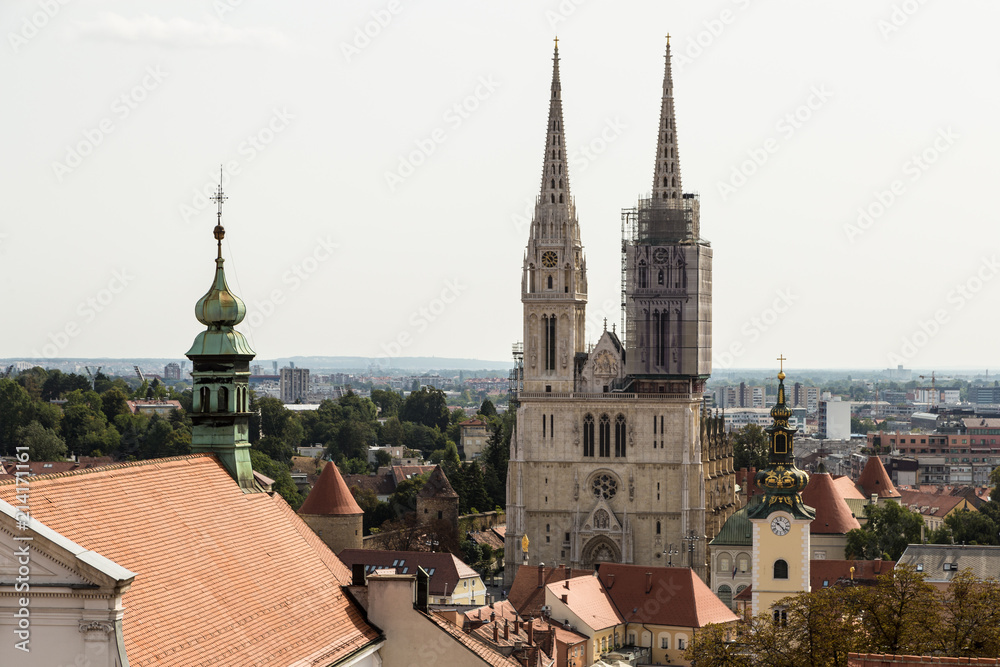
x=649, y=582
x=541, y=574
x=565, y=598
x=506, y=629
x=531, y=633
x=496, y=632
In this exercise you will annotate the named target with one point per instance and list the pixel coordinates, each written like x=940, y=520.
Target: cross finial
x=668, y=39
x=782, y=360
x=557, y=43
x=219, y=196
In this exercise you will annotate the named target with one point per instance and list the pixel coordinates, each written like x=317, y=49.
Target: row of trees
x=900, y=614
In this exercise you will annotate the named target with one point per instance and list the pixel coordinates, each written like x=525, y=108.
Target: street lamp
x=691, y=538
x=670, y=552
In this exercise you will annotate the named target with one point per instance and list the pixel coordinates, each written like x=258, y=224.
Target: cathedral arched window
x=725, y=564
x=552, y=198
x=780, y=569
x=550, y=282
x=605, y=436
x=560, y=199
x=223, y=400
x=552, y=184
x=204, y=399
x=664, y=181
x=726, y=595
x=588, y=435
x=643, y=275
x=560, y=184
x=657, y=527
x=659, y=277
x=620, y=435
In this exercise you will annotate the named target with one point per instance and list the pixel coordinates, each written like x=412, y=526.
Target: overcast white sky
x=118, y=112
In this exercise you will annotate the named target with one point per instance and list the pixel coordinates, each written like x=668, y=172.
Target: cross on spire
x=782, y=360
x=219, y=196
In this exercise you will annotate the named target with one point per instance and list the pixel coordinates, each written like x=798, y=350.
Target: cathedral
x=613, y=457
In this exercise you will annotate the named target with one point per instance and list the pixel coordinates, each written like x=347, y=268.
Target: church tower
x=668, y=274
x=554, y=279
x=781, y=522
x=220, y=358
x=610, y=460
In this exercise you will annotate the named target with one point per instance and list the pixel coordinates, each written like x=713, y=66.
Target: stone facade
x=337, y=532
x=612, y=460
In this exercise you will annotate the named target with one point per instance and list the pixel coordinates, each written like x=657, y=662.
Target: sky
x=381, y=159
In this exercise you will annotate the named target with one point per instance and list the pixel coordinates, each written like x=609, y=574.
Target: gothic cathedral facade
x=613, y=457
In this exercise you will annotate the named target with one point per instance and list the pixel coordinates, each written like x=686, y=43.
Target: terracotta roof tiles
x=833, y=516
x=437, y=486
x=527, y=593
x=874, y=479
x=673, y=596
x=588, y=600
x=223, y=577
x=330, y=496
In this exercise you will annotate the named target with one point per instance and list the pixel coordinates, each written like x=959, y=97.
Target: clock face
x=549, y=258
x=780, y=525
x=660, y=255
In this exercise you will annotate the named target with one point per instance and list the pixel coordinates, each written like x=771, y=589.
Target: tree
x=15, y=413
x=966, y=527
x=43, y=444
x=971, y=617
x=750, y=448
x=114, y=402
x=890, y=528
x=388, y=402
x=901, y=613
x=715, y=645
x=84, y=427
x=382, y=458
x=428, y=406
x=279, y=472
x=391, y=432
x=487, y=409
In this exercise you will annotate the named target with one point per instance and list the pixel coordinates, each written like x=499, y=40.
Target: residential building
x=153, y=406
x=941, y=562
x=934, y=507
x=294, y=384
x=473, y=436
x=452, y=582
x=612, y=457
x=172, y=371
x=835, y=419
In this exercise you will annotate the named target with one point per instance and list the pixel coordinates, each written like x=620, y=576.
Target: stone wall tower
x=220, y=358
x=333, y=514
x=554, y=280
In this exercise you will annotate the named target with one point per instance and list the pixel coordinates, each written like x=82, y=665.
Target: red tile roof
x=401, y=473
x=7, y=470
x=938, y=505
x=845, y=485
x=832, y=571
x=381, y=484
x=833, y=516
x=874, y=479
x=527, y=596
x=587, y=598
x=487, y=653
x=330, y=496
x=437, y=486
x=223, y=577
x=445, y=570
x=673, y=596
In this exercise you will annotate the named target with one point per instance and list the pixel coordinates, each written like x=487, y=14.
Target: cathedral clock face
x=780, y=525
x=549, y=258
x=660, y=255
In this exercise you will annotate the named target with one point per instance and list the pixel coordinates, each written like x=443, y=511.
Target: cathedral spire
x=667, y=172
x=555, y=170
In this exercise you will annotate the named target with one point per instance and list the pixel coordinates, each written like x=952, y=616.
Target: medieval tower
x=612, y=457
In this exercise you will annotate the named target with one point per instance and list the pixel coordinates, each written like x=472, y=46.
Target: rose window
x=604, y=486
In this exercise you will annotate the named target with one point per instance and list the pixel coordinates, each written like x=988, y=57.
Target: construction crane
x=93, y=376
x=139, y=374
x=934, y=392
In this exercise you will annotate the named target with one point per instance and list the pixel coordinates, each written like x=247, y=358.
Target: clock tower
x=781, y=522
x=554, y=280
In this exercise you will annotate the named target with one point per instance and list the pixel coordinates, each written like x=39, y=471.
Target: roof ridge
x=115, y=466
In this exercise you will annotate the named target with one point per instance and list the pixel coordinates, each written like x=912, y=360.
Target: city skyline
x=429, y=128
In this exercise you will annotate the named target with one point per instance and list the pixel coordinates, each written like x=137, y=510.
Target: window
x=726, y=595
x=605, y=436
x=680, y=644
x=725, y=564
x=780, y=616
x=549, y=281
x=780, y=569
x=664, y=642
x=620, y=436
x=204, y=399
x=588, y=435
x=657, y=527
